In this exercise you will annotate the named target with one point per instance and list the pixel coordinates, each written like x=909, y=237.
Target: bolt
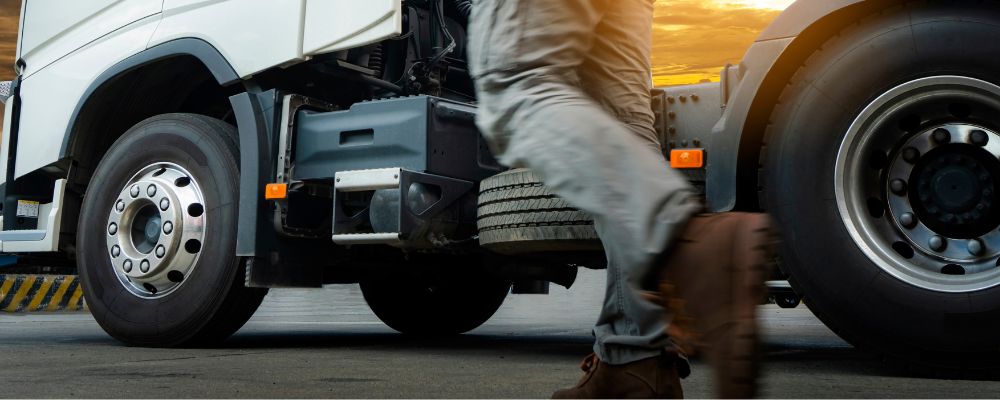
x=116, y=251
x=672, y=130
x=164, y=204
x=695, y=97
x=672, y=115
x=168, y=227
x=941, y=136
x=161, y=251
x=975, y=247
x=911, y=155
x=134, y=192
x=113, y=228
x=908, y=220
x=127, y=266
x=696, y=142
x=120, y=205
x=151, y=190
x=670, y=99
x=979, y=138
x=144, y=266
x=937, y=243
x=898, y=186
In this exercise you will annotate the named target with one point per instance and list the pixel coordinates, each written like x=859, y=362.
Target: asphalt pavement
x=326, y=343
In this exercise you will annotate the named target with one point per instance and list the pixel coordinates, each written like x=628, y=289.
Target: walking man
x=564, y=89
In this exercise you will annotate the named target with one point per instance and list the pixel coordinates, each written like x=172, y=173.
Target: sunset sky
x=693, y=39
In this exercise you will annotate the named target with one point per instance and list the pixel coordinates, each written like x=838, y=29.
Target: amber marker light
x=687, y=159
x=276, y=191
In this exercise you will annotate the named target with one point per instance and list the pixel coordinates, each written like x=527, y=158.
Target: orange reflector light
x=276, y=191
x=687, y=159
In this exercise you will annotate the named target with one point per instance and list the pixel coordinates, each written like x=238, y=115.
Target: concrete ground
x=326, y=343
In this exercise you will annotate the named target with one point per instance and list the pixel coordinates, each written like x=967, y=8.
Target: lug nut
x=908, y=220
x=976, y=247
x=168, y=227
x=911, y=155
x=164, y=204
x=113, y=228
x=979, y=138
x=120, y=205
x=127, y=266
x=898, y=186
x=937, y=243
x=160, y=251
x=135, y=191
x=941, y=136
x=151, y=190
x=116, y=251
x=144, y=266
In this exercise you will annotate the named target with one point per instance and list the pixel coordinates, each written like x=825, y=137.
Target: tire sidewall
x=852, y=294
x=179, y=315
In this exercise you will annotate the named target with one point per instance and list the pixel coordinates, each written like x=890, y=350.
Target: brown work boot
x=652, y=378
x=711, y=284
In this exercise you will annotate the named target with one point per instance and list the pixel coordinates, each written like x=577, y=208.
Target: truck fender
x=755, y=85
x=200, y=49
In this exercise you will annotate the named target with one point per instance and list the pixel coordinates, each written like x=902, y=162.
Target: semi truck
x=189, y=155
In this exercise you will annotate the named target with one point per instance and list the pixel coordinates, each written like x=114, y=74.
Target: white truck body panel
x=253, y=35
x=68, y=44
x=50, y=96
x=54, y=28
x=328, y=28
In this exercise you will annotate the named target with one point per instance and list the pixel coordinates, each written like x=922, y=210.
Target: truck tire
x=156, y=241
x=881, y=167
x=519, y=215
x=425, y=305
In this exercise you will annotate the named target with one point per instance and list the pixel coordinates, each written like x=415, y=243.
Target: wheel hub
x=956, y=189
x=155, y=229
x=917, y=178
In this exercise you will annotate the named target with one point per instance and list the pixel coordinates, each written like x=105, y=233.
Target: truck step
x=367, y=179
x=367, y=238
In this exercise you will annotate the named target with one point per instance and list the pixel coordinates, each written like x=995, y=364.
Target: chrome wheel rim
x=155, y=230
x=917, y=177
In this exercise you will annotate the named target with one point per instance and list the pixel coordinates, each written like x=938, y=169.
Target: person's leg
x=527, y=57
x=617, y=74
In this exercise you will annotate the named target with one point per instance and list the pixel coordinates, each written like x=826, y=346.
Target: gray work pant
x=564, y=89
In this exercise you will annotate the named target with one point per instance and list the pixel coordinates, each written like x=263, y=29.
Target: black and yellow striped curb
x=33, y=293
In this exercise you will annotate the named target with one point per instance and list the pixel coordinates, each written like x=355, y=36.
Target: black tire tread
x=518, y=214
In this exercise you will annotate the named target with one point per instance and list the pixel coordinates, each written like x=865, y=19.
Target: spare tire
x=519, y=215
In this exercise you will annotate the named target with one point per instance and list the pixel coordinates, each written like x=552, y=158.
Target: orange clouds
x=10, y=12
x=694, y=39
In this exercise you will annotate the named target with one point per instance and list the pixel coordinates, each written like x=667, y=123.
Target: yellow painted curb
x=33, y=293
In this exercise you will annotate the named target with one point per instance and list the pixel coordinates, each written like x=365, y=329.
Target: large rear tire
x=157, y=235
x=862, y=160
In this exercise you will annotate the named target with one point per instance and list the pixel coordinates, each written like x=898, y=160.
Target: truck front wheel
x=156, y=239
x=882, y=168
